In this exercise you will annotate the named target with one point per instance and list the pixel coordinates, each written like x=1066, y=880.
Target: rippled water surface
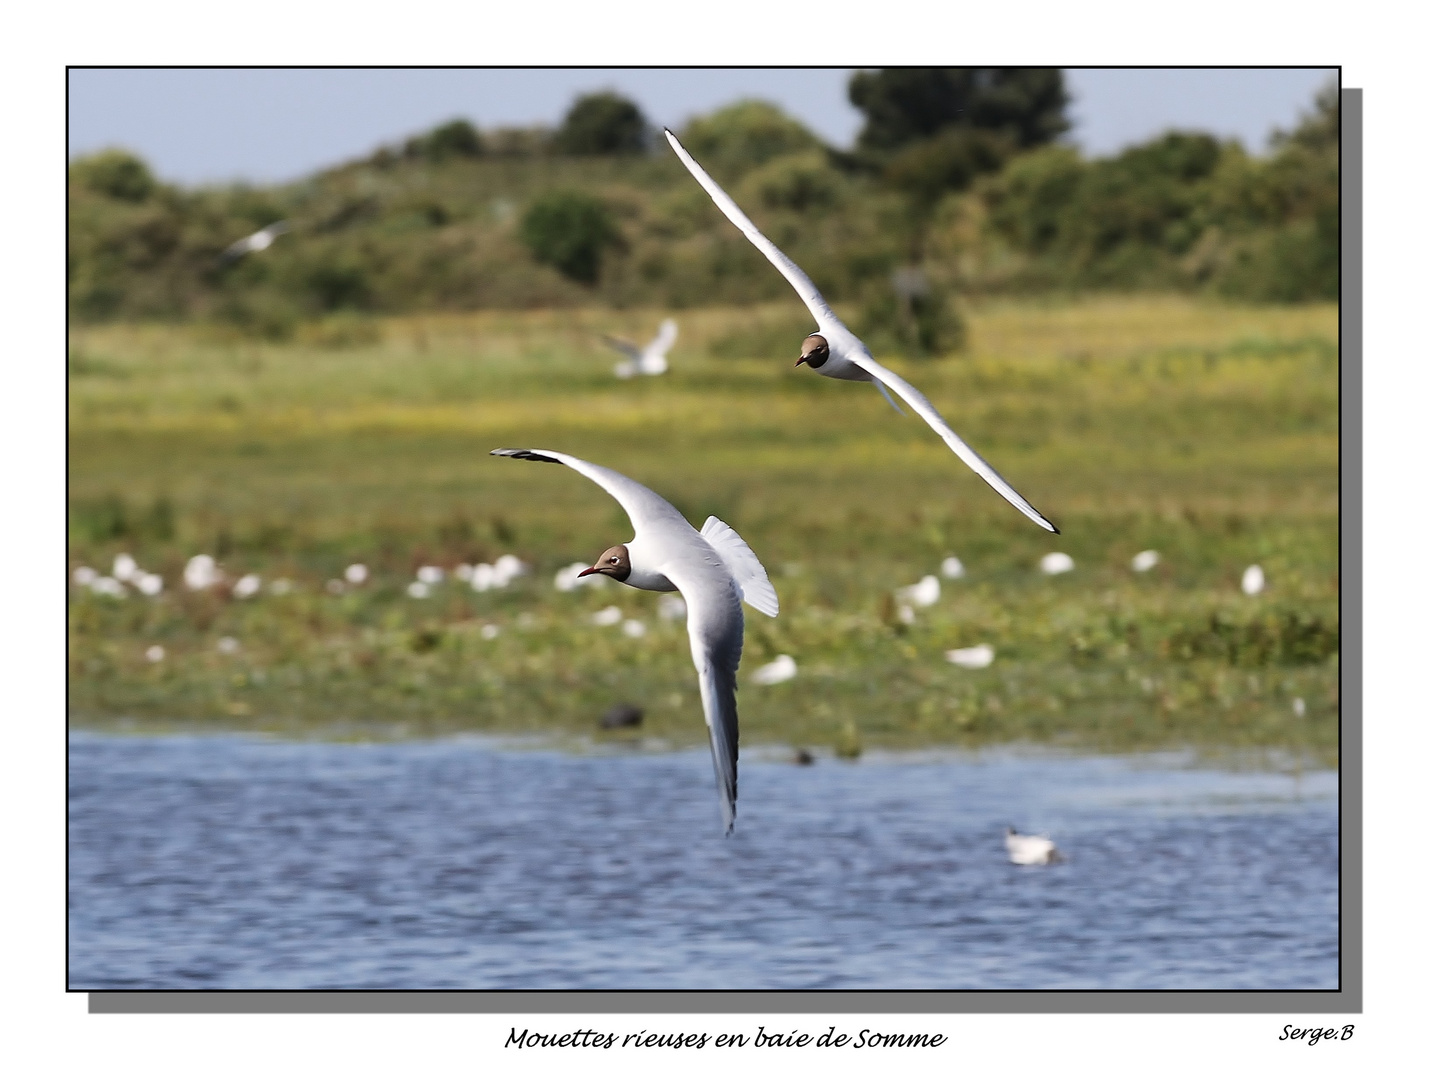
x=245, y=862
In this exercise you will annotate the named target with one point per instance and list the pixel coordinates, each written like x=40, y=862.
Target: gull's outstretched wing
x=646, y=510
x=620, y=345
x=716, y=626
x=924, y=408
x=818, y=306
x=743, y=565
x=662, y=341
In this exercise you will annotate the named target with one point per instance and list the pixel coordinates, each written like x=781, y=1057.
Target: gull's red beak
x=801, y=360
x=589, y=570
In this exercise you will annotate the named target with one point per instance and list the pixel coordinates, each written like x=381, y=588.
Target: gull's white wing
x=716, y=627
x=622, y=346
x=646, y=510
x=662, y=341
x=818, y=306
x=744, y=565
x=238, y=248
x=924, y=408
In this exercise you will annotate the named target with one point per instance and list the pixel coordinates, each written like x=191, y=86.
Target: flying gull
x=259, y=241
x=713, y=569
x=649, y=360
x=835, y=351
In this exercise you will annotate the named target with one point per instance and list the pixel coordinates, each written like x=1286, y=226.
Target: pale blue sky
x=213, y=125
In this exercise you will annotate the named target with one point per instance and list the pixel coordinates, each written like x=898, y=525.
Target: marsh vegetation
x=1199, y=429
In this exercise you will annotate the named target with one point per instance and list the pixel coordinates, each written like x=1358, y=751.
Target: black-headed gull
x=649, y=360
x=1031, y=850
x=259, y=241
x=713, y=569
x=835, y=351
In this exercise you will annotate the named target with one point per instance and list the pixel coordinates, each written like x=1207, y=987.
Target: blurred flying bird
x=781, y=669
x=835, y=351
x=259, y=241
x=649, y=360
x=1031, y=850
x=713, y=569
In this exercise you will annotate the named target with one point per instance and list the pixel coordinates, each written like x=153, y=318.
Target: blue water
x=231, y=861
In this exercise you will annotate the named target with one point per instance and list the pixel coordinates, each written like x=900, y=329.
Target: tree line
x=960, y=183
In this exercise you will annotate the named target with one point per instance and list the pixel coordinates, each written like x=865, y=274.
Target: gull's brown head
x=614, y=563
x=814, y=352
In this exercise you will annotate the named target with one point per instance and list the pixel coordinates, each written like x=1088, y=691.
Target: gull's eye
x=615, y=558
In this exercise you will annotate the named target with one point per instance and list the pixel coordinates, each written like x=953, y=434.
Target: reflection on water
x=243, y=862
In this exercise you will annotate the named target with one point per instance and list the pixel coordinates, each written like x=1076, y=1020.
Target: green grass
x=1206, y=432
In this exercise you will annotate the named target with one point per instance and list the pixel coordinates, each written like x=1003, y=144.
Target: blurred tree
x=948, y=161
x=903, y=105
x=603, y=123
x=745, y=135
x=456, y=138
x=571, y=231
x=116, y=173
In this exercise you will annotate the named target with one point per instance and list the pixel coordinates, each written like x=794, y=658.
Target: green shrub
x=603, y=123
x=454, y=139
x=115, y=173
x=910, y=316
x=1287, y=639
x=570, y=231
x=801, y=181
x=745, y=135
x=949, y=161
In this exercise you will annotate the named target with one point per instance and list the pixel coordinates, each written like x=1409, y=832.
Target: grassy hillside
x=1205, y=431
x=513, y=222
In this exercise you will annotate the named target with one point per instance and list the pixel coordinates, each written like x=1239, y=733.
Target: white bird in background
x=1252, y=582
x=923, y=594
x=1143, y=561
x=713, y=569
x=781, y=669
x=649, y=360
x=1031, y=850
x=1056, y=562
x=973, y=657
x=835, y=351
x=259, y=241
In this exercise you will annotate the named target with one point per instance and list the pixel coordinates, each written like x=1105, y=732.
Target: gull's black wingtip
x=523, y=455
